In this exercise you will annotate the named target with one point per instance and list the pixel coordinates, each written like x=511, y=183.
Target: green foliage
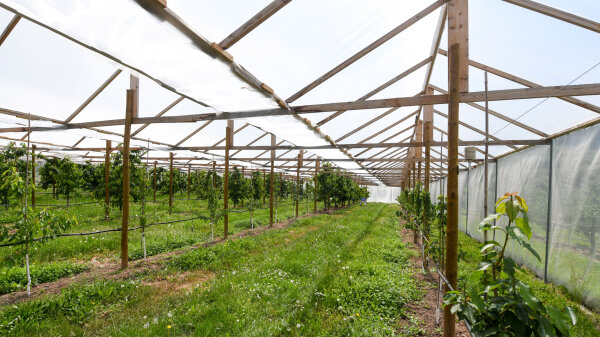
x=76, y=303
x=12, y=173
x=15, y=278
x=136, y=178
x=507, y=306
x=92, y=176
x=68, y=177
x=153, y=248
x=236, y=187
x=335, y=189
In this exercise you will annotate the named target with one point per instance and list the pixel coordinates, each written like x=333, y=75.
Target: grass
x=329, y=275
x=15, y=278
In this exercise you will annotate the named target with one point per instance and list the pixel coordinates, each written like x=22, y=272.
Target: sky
x=45, y=74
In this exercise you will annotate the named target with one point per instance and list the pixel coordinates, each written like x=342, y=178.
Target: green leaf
x=501, y=207
x=557, y=320
x=490, y=218
x=490, y=245
x=523, y=224
x=528, y=297
x=572, y=315
x=545, y=327
x=485, y=265
x=517, y=234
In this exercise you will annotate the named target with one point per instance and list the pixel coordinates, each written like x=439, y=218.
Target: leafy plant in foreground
x=507, y=306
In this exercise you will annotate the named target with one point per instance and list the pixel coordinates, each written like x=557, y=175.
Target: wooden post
x=107, y=179
x=214, y=172
x=154, y=187
x=317, y=164
x=228, y=144
x=170, y=182
x=264, y=184
x=452, y=189
x=129, y=112
x=485, y=156
x=33, y=176
x=428, y=137
x=189, y=179
x=419, y=150
x=298, y=182
x=272, y=179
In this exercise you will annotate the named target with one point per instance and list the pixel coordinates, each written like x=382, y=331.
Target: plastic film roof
x=48, y=75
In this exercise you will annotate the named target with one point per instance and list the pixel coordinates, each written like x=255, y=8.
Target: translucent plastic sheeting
x=136, y=38
x=575, y=212
x=127, y=32
x=384, y=194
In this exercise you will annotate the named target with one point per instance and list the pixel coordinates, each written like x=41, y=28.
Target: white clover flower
x=169, y=314
x=146, y=326
x=298, y=325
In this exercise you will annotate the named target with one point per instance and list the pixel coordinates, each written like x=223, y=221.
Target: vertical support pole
x=452, y=190
x=129, y=112
x=485, y=159
x=298, y=182
x=214, y=172
x=317, y=164
x=228, y=144
x=189, y=179
x=170, y=182
x=107, y=180
x=154, y=185
x=428, y=135
x=264, y=184
x=458, y=81
x=272, y=179
x=549, y=210
x=33, y=175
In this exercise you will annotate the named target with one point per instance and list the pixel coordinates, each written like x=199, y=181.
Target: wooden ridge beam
x=93, y=95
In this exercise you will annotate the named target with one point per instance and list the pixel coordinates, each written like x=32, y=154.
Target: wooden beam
x=254, y=22
x=11, y=25
x=129, y=112
x=499, y=115
x=162, y=112
x=557, y=14
x=527, y=83
x=366, y=50
x=33, y=175
x=205, y=124
x=154, y=185
x=380, y=88
x=428, y=136
x=93, y=96
x=458, y=33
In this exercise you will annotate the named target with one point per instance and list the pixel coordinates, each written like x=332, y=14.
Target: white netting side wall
x=384, y=194
x=575, y=214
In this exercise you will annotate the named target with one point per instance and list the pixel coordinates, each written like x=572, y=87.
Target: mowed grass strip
x=329, y=275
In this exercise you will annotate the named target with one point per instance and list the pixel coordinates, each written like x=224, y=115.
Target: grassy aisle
x=330, y=275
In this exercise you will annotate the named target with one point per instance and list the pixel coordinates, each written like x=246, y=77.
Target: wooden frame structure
x=391, y=162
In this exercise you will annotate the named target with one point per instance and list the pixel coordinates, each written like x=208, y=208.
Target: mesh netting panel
x=575, y=216
x=384, y=194
x=476, y=209
x=527, y=172
x=462, y=201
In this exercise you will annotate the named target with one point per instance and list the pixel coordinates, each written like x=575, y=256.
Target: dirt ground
x=425, y=311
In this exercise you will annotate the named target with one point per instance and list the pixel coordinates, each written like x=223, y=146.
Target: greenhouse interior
x=299, y=168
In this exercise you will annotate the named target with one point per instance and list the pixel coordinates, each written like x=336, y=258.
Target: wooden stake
x=131, y=107
x=189, y=180
x=33, y=176
x=214, y=171
x=228, y=144
x=272, y=178
x=428, y=135
x=452, y=189
x=170, y=182
x=298, y=182
x=107, y=180
x=154, y=187
x=317, y=164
